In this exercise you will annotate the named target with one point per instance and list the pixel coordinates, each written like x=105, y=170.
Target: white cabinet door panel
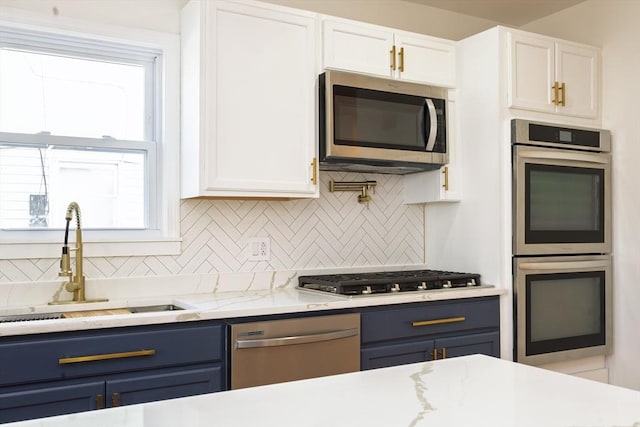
x=531, y=73
x=578, y=68
x=249, y=100
x=264, y=102
x=359, y=48
x=426, y=60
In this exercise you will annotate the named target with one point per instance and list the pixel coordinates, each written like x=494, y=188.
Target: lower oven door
x=563, y=308
x=293, y=349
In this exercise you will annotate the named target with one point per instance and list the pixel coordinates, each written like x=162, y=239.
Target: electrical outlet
x=259, y=249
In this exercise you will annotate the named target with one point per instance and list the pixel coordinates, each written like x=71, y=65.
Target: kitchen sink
x=154, y=308
x=29, y=317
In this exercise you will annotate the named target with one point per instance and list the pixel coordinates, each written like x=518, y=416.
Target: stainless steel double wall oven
x=561, y=241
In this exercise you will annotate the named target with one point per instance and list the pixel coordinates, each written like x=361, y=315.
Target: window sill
x=92, y=248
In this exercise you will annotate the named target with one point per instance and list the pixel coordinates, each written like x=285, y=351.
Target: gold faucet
x=76, y=283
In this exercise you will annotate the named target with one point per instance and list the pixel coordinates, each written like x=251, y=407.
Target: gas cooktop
x=386, y=282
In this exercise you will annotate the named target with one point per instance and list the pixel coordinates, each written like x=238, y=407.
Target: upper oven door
x=562, y=201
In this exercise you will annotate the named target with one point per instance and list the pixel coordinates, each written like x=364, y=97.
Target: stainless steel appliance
x=564, y=307
x=561, y=189
x=561, y=242
x=371, y=124
x=293, y=349
x=387, y=282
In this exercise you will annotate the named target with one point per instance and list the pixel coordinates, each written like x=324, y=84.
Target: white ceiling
x=509, y=12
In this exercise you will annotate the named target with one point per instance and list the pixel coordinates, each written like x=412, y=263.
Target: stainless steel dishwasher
x=293, y=349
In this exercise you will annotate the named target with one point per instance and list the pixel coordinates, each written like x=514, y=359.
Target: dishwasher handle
x=298, y=339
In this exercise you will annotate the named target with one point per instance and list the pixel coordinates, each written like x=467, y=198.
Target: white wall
x=157, y=15
x=613, y=25
x=398, y=14
x=162, y=15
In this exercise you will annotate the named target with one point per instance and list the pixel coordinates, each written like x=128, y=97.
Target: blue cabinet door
x=381, y=356
x=484, y=343
x=49, y=401
x=158, y=386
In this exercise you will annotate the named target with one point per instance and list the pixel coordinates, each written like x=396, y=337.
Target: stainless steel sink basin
x=154, y=308
x=29, y=317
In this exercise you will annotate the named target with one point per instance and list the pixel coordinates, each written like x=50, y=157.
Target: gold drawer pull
x=99, y=401
x=314, y=171
x=107, y=356
x=445, y=172
x=438, y=321
x=393, y=57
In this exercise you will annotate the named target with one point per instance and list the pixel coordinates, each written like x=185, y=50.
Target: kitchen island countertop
x=465, y=391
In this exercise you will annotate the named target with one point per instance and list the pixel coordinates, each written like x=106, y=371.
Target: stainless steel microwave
x=372, y=124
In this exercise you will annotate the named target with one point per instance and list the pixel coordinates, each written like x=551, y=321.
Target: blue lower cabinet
x=161, y=386
x=62, y=373
x=412, y=333
x=50, y=401
x=395, y=354
x=482, y=343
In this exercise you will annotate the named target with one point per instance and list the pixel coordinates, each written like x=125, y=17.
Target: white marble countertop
x=214, y=305
x=466, y=391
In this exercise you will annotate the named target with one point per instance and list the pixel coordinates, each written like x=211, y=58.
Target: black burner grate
x=388, y=281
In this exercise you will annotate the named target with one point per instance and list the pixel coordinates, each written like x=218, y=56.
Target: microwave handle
x=433, y=124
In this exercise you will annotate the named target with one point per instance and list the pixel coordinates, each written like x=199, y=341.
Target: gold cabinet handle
x=115, y=399
x=401, y=55
x=563, y=100
x=444, y=353
x=434, y=354
x=393, y=57
x=556, y=88
x=108, y=356
x=314, y=171
x=99, y=401
x=438, y=321
x=445, y=172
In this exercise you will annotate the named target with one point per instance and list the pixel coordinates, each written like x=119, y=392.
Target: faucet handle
x=65, y=263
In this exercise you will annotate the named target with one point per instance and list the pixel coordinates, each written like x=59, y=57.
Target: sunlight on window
x=37, y=184
x=71, y=96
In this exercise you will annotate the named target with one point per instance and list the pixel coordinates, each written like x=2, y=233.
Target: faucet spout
x=76, y=282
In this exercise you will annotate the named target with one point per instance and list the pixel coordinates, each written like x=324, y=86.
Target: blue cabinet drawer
x=91, y=353
x=430, y=318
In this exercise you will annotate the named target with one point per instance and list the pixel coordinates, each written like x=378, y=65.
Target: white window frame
x=162, y=237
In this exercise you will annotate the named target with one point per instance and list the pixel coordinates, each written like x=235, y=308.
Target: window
x=81, y=120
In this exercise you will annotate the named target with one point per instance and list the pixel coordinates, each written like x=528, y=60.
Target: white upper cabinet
x=357, y=47
x=551, y=76
x=248, y=101
x=443, y=184
x=364, y=48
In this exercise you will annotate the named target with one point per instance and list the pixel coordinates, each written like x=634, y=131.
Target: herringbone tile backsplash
x=332, y=231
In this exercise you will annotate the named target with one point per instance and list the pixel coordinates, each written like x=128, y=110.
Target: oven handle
x=563, y=265
x=300, y=339
x=433, y=124
x=580, y=157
